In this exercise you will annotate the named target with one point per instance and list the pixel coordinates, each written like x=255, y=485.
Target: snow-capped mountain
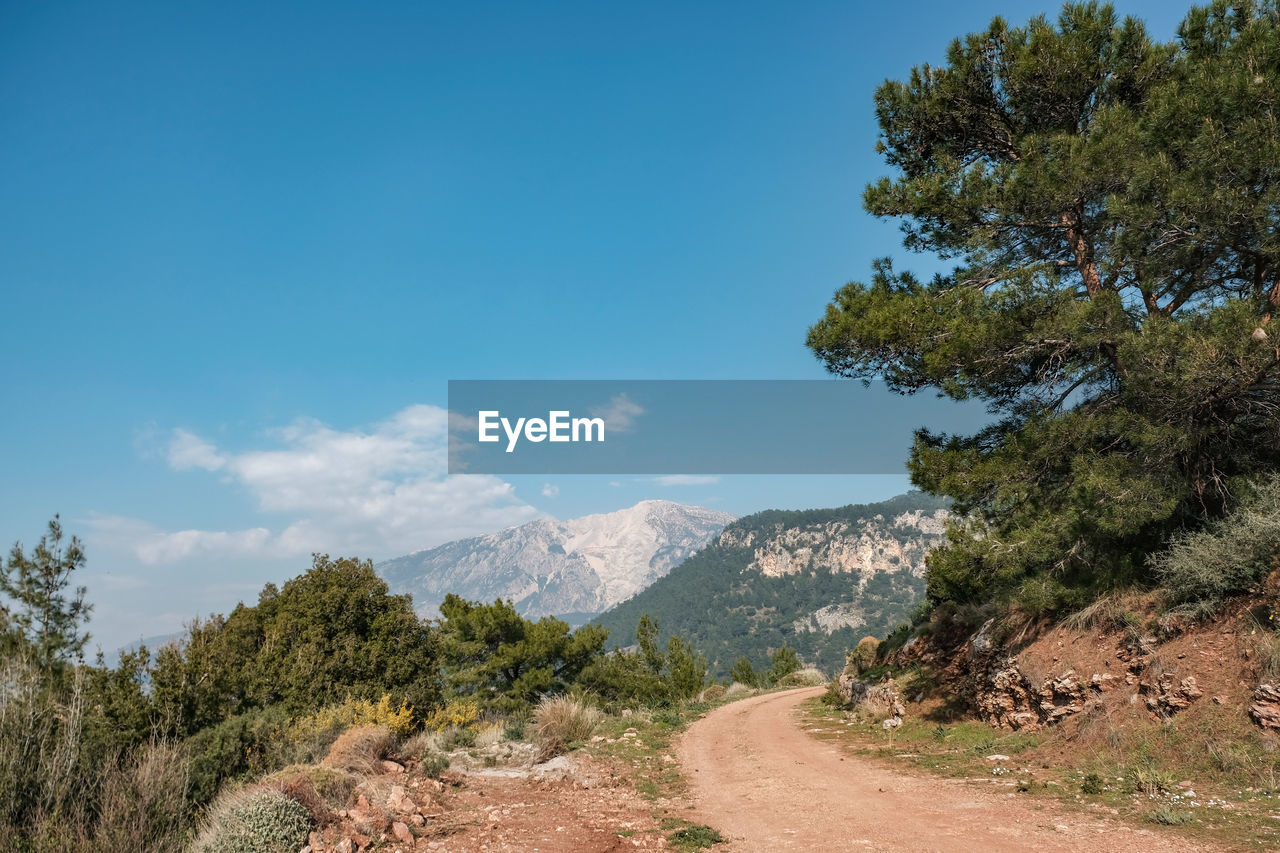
x=582, y=566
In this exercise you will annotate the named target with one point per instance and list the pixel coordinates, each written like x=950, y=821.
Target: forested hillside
x=814, y=580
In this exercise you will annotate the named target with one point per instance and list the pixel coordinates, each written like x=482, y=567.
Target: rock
x=626, y=712
x=346, y=845
x=997, y=757
x=1165, y=700
x=1102, y=682
x=1265, y=709
x=401, y=831
x=400, y=800
x=392, y=767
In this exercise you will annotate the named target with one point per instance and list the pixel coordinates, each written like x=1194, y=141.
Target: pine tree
x=45, y=614
x=1112, y=206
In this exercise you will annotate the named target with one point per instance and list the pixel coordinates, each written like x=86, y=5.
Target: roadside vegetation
x=329, y=675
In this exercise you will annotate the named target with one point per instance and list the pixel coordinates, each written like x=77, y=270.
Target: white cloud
x=187, y=451
x=380, y=491
x=686, y=480
x=550, y=490
x=619, y=413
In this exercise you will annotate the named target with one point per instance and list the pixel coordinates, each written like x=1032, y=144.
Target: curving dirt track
x=766, y=785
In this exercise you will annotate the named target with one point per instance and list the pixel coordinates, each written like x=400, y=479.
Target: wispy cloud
x=550, y=490
x=187, y=450
x=377, y=491
x=619, y=413
x=686, y=480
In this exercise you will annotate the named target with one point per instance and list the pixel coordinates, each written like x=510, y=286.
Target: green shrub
x=457, y=737
x=624, y=680
x=1091, y=784
x=254, y=821
x=1169, y=816
x=782, y=663
x=514, y=727
x=433, y=765
x=244, y=745
x=1203, y=568
x=742, y=672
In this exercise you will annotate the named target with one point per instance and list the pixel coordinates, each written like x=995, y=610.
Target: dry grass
x=489, y=736
x=62, y=797
x=422, y=744
x=737, y=690
x=335, y=788
x=803, y=678
x=712, y=693
x=879, y=703
x=360, y=749
x=562, y=720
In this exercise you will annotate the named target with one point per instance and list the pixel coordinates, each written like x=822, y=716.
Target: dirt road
x=758, y=778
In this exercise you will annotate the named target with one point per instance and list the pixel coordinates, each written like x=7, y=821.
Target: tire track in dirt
x=766, y=785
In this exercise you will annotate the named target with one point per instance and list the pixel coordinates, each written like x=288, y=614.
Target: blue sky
x=243, y=247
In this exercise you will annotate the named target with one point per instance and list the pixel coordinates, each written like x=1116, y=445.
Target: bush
x=359, y=749
x=714, y=692
x=254, y=820
x=457, y=737
x=1202, y=569
x=863, y=657
x=562, y=720
x=1169, y=816
x=783, y=662
x=245, y=745
x=803, y=678
x=335, y=787
x=514, y=728
x=433, y=765
x=141, y=803
x=624, y=680
x=742, y=672
x=834, y=697
x=327, y=723
x=457, y=713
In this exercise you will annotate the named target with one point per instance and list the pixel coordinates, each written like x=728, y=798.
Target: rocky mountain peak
x=547, y=566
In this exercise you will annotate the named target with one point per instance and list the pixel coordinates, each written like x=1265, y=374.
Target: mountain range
x=574, y=569
x=814, y=580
